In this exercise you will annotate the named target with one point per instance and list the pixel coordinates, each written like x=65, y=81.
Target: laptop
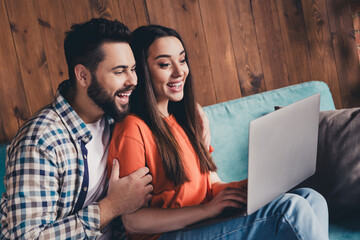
x=282, y=153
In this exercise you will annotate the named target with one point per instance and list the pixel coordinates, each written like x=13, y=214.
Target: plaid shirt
x=47, y=178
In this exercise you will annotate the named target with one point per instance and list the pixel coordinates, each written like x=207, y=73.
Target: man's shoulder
x=44, y=130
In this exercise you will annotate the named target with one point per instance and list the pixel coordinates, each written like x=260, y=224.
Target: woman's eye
x=164, y=65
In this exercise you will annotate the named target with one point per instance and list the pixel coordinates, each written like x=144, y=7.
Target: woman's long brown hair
x=143, y=103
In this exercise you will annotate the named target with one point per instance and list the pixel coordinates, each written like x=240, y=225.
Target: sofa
x=229, y=124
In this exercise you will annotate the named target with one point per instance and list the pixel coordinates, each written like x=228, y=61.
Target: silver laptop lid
x=282, y=151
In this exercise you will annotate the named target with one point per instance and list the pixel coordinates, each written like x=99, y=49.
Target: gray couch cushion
x=337, y=176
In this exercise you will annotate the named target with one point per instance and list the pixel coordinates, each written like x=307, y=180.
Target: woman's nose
x=178, y=71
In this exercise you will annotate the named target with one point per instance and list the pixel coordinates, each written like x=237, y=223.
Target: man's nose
x=131, y=79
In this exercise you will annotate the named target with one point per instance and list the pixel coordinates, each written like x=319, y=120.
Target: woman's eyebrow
x=168, y=56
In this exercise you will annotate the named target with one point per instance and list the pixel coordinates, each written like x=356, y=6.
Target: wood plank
x=322, y=57
x=161, y=12
x=52, y=23
x=134, y=13
x=346, y=56
x=296, y=47
x=245, y=46
x=192, y=33
x=105, y=8
x=270, y=44
x=31, y=53
x=13, y=104
x=222, y=60
x=78, y=11
x=141, y=13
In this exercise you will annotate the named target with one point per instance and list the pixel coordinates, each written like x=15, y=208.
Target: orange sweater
x=134, y=146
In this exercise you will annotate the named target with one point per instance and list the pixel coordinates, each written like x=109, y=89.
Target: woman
x=163, y=134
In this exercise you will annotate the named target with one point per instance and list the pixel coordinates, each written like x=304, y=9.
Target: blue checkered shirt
x=47, y=178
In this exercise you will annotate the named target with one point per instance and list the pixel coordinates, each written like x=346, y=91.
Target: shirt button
x=85, y=157
x=85, y=189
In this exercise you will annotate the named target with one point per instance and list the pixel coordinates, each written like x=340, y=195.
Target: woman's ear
x=83, y=76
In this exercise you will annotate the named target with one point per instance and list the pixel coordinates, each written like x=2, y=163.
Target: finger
x=149, y=188
x=146, y=179
x=148, y=197
x=141, y=172
x=234, y=197
x=115, y=170
x=239, y=191
x=232, y=204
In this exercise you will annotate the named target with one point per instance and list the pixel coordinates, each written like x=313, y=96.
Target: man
x=56, y=165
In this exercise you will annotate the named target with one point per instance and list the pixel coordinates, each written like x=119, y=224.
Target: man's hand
x=125, y=195
x=205, y=126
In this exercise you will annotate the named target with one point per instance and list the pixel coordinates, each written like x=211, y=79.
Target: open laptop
x=282, y=153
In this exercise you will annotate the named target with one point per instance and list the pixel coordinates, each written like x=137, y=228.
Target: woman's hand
x=227, y=198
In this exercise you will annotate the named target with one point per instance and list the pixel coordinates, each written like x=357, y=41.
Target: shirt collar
x=69, y=117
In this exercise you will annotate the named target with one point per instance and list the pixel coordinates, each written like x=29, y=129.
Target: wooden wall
x=236, y=47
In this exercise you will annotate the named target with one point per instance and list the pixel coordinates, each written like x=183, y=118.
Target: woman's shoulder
x=130, y=124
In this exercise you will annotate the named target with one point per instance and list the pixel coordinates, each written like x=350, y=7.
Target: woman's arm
x=217, y=185
x=158, y=220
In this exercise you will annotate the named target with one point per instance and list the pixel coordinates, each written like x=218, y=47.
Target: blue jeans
x=299, y=214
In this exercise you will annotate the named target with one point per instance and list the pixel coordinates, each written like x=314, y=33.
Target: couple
x=56, y=181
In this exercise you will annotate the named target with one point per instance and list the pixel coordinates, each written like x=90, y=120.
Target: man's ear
x=83, y=76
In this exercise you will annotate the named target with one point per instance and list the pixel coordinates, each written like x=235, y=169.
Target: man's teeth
x=175, y=84
x=124, y=94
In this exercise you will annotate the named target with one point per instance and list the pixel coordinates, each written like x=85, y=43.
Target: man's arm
x=125, y=195
x=38, y=208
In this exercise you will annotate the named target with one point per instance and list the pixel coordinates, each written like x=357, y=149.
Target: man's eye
x=133, y=69
x=119, y=72
x=183, y=61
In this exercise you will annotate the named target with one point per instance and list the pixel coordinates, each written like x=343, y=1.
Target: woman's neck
x=163, y=108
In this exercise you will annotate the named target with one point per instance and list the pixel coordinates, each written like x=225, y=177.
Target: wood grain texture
x=189, y=25
x=13, y=104
x=161, y=12
x=346, y=57
x=270, y=42
x=52, y=23
x=134, y=13
x=106, y=8
x=235, y=47
x=247, y=56
x=321, y=51
x=294, y=37
x=220, y=50
x=29, y=45
x=77, y=11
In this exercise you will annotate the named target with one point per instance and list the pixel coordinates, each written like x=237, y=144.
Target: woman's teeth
x=175, y=84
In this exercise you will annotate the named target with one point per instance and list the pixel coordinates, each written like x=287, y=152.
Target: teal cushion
x=345, y=228
x=229, y=123
x=2, y=166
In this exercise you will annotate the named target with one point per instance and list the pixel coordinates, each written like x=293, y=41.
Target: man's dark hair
x=83, y=43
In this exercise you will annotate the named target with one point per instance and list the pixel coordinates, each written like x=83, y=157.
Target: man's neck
x=88, y=111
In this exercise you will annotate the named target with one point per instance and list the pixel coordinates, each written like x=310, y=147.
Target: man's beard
x=107, y=102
